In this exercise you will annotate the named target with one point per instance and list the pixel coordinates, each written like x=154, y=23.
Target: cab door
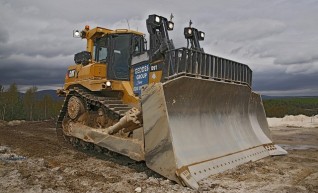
x=120, y=57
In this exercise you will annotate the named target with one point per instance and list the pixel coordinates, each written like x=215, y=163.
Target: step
x=121, y=108
x=112, y=102
x=117, y=105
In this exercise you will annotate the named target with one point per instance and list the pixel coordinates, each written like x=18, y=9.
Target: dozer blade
x=195, y=128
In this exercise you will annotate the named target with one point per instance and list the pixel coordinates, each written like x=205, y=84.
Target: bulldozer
x=186, y=113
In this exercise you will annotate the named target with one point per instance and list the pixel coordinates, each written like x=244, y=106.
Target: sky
x=278, y=39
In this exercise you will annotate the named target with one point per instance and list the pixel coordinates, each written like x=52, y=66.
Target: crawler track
x=113, y=108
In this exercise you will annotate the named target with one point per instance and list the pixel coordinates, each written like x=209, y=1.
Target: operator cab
x=116, y=50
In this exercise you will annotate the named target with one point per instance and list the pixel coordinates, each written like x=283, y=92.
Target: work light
x=157, y=19
x=170, y=25
x=201, y=35
x=76, y=34
x=108, y=83
x=188, y=32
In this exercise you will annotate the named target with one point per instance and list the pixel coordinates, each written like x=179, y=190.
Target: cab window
x=100, y=50
x=138, y=45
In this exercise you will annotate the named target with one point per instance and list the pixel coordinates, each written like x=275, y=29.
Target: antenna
x=128, y=23
x=171, y=17
x=190, y=23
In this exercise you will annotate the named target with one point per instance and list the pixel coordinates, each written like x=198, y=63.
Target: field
x=279, y=107
x=32, y=160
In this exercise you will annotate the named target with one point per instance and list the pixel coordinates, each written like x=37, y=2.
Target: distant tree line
x=291, y=106
x=28, y=106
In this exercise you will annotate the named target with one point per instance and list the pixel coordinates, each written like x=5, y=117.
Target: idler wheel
x=75, y=107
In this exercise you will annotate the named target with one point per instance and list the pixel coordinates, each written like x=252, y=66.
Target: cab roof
x=99, y=31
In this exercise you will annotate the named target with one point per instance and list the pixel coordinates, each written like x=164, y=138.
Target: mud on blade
x=196, y=127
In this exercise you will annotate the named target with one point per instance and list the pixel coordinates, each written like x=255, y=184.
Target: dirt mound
x=3, y=123
x=294, y=121
x=15, y=122
x=295, y=118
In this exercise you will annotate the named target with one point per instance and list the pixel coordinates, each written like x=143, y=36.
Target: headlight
x=108, y=83
x=76, y=34
x=188, y=32
x=201, y=35
x=157, y=19
x=170, y=25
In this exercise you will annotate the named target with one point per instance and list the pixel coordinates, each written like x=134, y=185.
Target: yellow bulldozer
x=186, y=113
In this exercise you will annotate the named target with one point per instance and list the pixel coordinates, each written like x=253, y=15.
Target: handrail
x=188, y=62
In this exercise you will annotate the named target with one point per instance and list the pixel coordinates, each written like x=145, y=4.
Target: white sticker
x=153, y=76
x=71, y=73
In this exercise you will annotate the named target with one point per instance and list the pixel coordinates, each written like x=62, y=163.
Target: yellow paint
x=129, y=96
x=94, y=75
x=99, y=70
x=155, y=76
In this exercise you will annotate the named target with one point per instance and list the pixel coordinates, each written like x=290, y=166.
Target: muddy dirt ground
x=32, y=160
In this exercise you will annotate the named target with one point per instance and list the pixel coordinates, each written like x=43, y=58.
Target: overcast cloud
x=278, y=39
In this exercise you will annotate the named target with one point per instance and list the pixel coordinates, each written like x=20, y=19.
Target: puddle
x=7, y=155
